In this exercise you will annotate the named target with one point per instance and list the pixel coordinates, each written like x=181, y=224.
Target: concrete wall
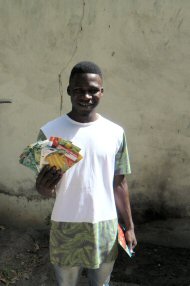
x=143, y=49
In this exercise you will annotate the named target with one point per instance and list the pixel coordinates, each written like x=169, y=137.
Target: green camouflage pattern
x=41, y=136
x=83, y=244
x=122, y=164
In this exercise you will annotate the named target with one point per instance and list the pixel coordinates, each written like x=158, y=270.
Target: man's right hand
x=47, y=180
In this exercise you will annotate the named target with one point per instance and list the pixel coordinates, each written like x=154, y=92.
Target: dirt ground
x=24, y=261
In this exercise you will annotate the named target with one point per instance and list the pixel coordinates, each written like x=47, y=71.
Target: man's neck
x=83, y=118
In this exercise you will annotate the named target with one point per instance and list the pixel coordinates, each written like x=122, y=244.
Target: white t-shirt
x=85, y=192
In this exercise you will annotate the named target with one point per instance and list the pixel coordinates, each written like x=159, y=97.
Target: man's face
x=85, y=91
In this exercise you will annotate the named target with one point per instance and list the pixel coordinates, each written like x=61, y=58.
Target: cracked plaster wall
x=143, y=49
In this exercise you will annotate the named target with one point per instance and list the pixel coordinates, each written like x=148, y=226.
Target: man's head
x=85, y=67
x=85, y=87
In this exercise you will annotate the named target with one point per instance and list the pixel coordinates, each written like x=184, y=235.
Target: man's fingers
x=44, y=170
x=130, y=246
x=42, y=173
x=134, y=243
x=54, y=180
x=47, y=180
x=130, y=239
x=48, y=176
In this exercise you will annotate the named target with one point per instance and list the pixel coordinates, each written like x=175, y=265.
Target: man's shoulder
x=110, y=124
x=55, y=121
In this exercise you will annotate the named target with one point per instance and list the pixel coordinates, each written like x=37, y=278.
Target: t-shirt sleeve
x=41, y=136
x=122, y=164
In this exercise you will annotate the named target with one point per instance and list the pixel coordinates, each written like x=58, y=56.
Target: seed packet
x=30, y=157
x=122, y=241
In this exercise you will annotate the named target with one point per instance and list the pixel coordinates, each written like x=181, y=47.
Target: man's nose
x=87, y=95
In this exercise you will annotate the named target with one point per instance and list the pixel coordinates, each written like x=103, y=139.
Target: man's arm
x=122, y=201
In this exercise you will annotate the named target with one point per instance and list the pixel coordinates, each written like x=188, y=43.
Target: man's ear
x=68, y=90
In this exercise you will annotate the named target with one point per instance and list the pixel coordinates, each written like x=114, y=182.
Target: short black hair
x=85, y=67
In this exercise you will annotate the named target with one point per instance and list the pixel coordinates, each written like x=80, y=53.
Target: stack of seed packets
x=62, y=154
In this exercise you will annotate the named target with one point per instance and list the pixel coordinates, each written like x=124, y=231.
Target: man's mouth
x=84, y=104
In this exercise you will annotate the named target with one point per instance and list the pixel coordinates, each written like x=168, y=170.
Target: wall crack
x=80, y=29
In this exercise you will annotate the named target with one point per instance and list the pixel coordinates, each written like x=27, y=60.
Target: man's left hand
x=130, y=239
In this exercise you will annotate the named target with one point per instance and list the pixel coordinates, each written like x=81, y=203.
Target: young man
x=88, y=196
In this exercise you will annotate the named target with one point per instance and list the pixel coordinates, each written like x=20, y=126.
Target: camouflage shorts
x=83, y=244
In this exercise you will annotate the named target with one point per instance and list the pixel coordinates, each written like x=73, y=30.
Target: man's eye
x=93, y=90
x=78, y=91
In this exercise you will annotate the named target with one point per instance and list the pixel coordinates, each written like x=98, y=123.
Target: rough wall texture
x=143, y=49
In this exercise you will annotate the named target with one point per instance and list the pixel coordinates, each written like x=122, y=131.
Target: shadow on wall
x=146, y=208
x=161, y=190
